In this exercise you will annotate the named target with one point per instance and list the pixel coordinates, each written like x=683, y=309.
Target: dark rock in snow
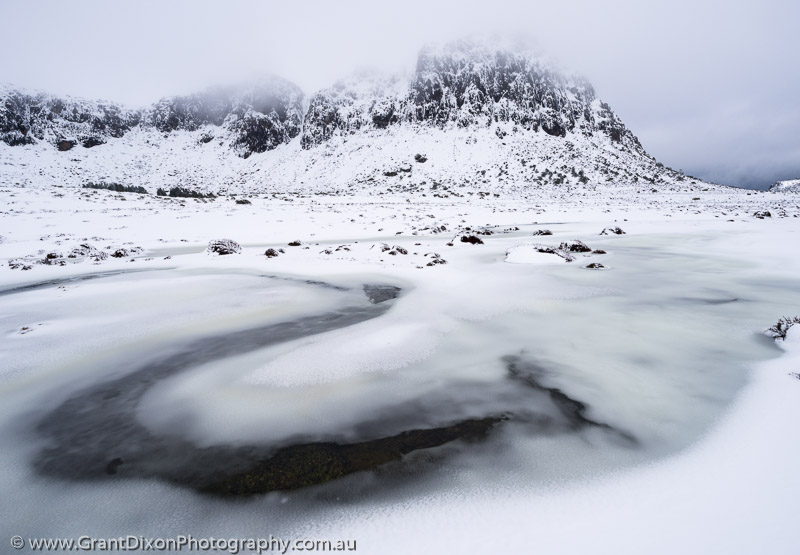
x=471, y=239
x=89, y=142
x=612, y=230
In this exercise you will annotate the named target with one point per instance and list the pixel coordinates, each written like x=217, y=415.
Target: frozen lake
x=148, y=401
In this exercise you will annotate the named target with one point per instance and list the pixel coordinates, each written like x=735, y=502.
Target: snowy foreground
x=687, y=443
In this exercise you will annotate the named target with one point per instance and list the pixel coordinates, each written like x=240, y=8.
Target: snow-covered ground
x=692, y=448
x=372, y=162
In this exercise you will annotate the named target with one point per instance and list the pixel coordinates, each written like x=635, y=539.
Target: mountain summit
x=469, y=84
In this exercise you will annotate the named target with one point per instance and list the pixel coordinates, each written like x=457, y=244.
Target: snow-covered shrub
x=574, y=246
x=116, y=187
x=779, y=329
x=183, y=192
x=224, y=246
x=558, y=251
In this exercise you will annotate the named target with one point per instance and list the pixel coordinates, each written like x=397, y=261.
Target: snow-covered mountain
x=786, y=186
x=468, y=84
x=254, y=118
x=469, y=115
x=29, y=118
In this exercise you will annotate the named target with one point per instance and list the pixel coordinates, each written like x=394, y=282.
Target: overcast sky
x=710, y=87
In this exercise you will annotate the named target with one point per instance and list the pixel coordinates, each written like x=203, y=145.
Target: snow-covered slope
x=470, y=117
x=786, y=186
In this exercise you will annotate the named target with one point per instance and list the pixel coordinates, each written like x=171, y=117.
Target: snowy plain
x=665, y=344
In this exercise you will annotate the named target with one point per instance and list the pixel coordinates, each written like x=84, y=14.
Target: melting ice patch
x=381, y=347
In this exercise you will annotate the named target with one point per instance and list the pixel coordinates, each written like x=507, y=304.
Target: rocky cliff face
x=351, y=105
x=468, y=84
x=28, y=118
x=252, y=119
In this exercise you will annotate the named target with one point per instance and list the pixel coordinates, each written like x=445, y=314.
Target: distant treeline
x=183, y=192
x=115, y=187
x=173, y=192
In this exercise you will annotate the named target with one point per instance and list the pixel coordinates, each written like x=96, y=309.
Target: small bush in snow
x=436, y=259
x=778, y=331
x=116, y=187
x=224, y=246
x=559, y=251
x=574, y=246
x=182, y=192
x=471, y=239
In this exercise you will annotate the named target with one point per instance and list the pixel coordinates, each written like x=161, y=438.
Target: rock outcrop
x=253, y=119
